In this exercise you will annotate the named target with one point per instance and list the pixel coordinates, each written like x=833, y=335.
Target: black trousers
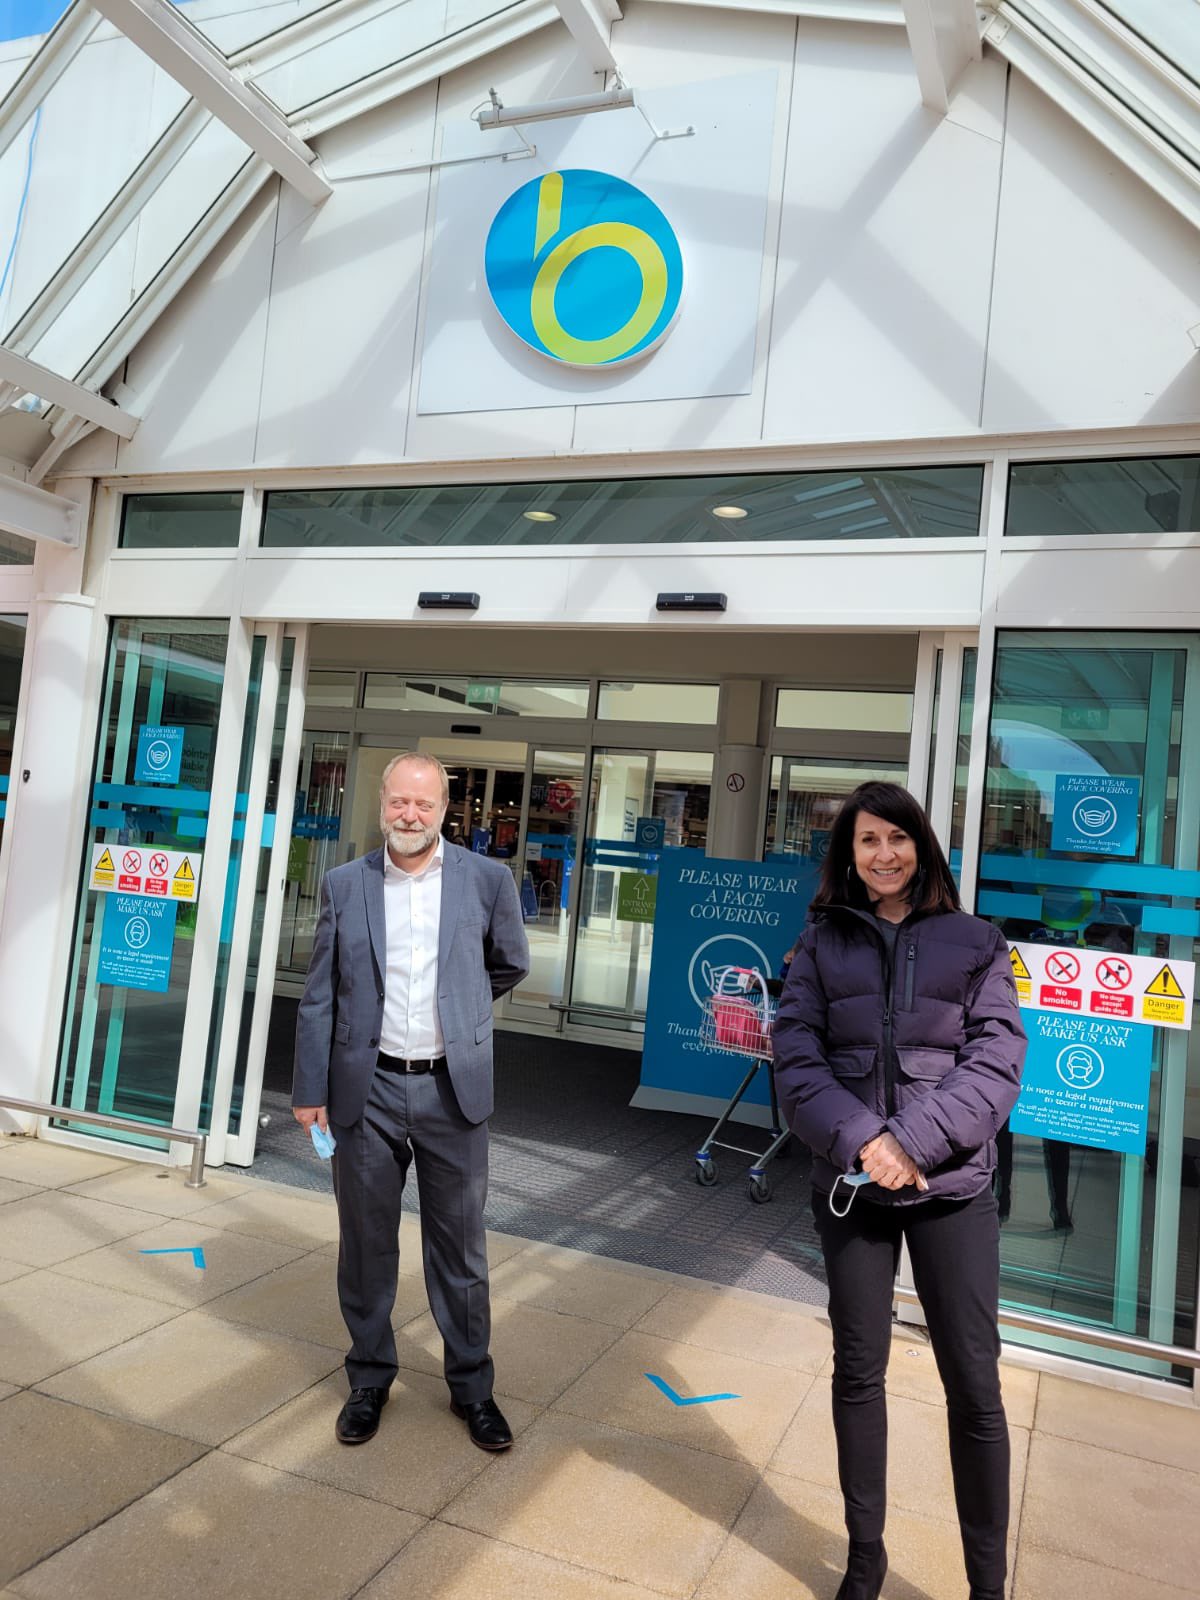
x=955, y=1251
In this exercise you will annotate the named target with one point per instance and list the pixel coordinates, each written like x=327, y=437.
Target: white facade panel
x=881, y=301
x=196, y=378
x=1097, y=283
x=180, y=584
x=1155, y=585
x=344, y=294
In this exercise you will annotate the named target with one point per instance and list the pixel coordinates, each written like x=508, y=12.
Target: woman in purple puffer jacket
x=898, y=1053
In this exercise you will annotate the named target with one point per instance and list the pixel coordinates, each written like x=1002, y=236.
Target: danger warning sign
x=158, y=874
x=1097, y=983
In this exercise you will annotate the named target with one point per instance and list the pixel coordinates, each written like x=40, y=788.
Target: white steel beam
x=166, y=36
x=589, y=23
x=60, y=391
x=45, y=67
x=883, y=11
x=944, y=37
x=119, y=215
x=36, y=514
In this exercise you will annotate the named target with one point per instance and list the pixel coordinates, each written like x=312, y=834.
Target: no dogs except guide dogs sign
x=143, y=869
x=1099, y=983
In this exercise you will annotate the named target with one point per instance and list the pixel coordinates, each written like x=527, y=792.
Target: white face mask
x=854, y=1182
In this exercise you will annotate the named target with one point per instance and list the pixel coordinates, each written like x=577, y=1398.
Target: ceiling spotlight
x=539, y=516
x=728, y=513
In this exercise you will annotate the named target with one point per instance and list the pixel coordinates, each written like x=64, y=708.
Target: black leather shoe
x=358, y=1419
x=485, y=1422
x=866, y=1567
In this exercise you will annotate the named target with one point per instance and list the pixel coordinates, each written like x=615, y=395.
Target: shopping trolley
x=739, y=1018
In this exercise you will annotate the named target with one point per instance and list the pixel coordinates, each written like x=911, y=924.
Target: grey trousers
x=414, y=1117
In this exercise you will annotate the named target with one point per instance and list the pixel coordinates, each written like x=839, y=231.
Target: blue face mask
x=854, y=1182
x=323, y=1141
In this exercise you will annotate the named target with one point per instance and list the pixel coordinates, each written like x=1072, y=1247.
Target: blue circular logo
x=584, y=268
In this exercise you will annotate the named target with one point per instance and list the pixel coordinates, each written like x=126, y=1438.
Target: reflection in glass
x=394, y=691
x=1140, y=494
x=12, y=653
x=659, y=702
x=909, y=503
x=316, y=828
x=181, y=521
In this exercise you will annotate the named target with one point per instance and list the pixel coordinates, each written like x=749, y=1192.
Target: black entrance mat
x=573, y=1165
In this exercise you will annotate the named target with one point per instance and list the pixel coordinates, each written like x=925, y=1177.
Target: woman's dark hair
x=932, y=887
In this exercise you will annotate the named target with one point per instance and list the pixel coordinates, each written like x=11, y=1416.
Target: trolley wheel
x=706, y=1172
x=759, y=1190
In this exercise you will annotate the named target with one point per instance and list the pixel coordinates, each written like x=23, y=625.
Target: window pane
x=853, y=710
x=659, y=702
x=15, y=551
x=916, y=503
x=12, y=651
x=1143, y=494
x=475, y=697
x=1101, y=1235
x=331, y=689
x=181, y=521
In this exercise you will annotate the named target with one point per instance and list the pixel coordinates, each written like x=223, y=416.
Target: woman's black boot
x=866, y=1566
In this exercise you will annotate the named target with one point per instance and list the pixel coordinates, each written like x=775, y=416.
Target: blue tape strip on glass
x=1133, y=878
x=323, y=1142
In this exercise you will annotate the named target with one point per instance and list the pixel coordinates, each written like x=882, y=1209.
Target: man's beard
x=411, y=841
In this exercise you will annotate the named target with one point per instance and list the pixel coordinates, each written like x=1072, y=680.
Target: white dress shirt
x=412, y=904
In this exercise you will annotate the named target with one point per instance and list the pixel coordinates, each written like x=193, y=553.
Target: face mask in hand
x=854, y=1182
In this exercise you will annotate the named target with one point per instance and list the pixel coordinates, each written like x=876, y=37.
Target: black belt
x=400, y=1064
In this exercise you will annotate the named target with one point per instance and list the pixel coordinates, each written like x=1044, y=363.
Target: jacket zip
x=910, y=975
x=889, y=1070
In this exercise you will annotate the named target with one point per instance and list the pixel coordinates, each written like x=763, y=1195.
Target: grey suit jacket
x=482, y=953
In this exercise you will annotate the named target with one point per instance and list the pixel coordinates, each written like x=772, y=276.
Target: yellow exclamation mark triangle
x=1165, y=984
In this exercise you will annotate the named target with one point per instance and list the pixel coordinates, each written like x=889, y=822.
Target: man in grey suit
x=394, y=1054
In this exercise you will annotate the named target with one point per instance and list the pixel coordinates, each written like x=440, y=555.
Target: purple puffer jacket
x=952, y=1073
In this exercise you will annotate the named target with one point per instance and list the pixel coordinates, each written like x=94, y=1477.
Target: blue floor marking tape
x=678, y=1399
x=196, y=1251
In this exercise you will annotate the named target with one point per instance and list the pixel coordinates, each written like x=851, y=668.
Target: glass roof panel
x=231, y=25
x=29, y=19
x=1172, y=27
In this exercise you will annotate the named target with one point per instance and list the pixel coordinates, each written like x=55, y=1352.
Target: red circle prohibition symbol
x=132, y=861
x=1062, y=966
x=1114, y=973
x=158, y=865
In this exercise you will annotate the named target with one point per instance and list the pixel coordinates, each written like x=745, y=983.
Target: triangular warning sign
x=1020, y=970
x=1167, y=984
x=184, y=870
x=105, y=863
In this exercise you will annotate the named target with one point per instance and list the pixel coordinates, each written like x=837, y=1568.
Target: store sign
x=584, y=268
x=1086, y=1082
x=1095, y=815
x=711, y=914
x=137, y=936
x=159, y=754
x=636, y=896
x=143, y=870
x=1102, y=983
x=1090, y=1016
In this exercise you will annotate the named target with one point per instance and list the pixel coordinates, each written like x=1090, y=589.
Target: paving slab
x=1122, y=1422
x=537, y=1353
x=230, y=1259
x=918, y=1453
x=421, y=1457
x=740, y=1323
x=51, y=1165
x=1113, y=1510
x=224, y=1529
x=51, y=1226
x=298, y=1298
x=159, y=1189
x=790, y=1544
x=443, y=1563
x=49, y=1322
x=560, y=1280
x=13, y=1269
x=76, y=1468
x=616, y=1390
x=267, y=1212
x=617, y=1503
x=1049, y=1575
x=10, y=1189
x=197, y=1376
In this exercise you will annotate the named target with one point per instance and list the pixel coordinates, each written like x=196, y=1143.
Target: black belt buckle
x=414, y=1067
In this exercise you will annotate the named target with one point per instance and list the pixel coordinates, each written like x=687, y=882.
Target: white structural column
x=166, y=36
x=590, y=23
x=944, y=37
x=46, y=808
